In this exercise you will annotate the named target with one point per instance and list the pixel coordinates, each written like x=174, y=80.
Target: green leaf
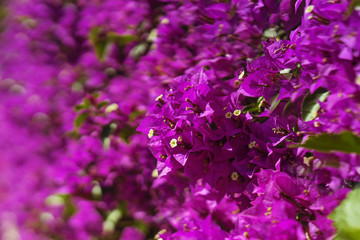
x=142, y=226
x=106, y=130
x=74, y=134
x=288, y=107
x=65, y=200
x=105, y=135
x=80, y=119
x=351, y=7
x=126, y=133
x=136, y=114
x=327, y=142
x=260, y=119
x=275, y=102
x=84, y=105
x=298, y=70
x=102, y=104
x=121, y=40
x=96, y=95
x=310, y=105
x=255, y=107
x=69, y=207
x=346, y=217
x=100, y=42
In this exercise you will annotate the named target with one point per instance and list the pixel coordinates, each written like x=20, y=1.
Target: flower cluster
x=177, y=119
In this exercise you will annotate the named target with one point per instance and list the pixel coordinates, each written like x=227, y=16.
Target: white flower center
x=151, y=133
x=228, y=115
x=173, y=143
x=237, y=112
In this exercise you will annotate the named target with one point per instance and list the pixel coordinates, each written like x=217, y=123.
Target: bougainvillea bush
x=199, y=119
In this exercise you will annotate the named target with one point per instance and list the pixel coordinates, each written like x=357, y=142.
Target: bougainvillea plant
x=184, y=120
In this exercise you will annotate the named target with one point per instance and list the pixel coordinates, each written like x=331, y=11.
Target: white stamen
x=228, y=115
x=237, y=112
x=252, y=144
x=173, y=143
x=151, y=133
x=234, y=176
x=159, y=97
